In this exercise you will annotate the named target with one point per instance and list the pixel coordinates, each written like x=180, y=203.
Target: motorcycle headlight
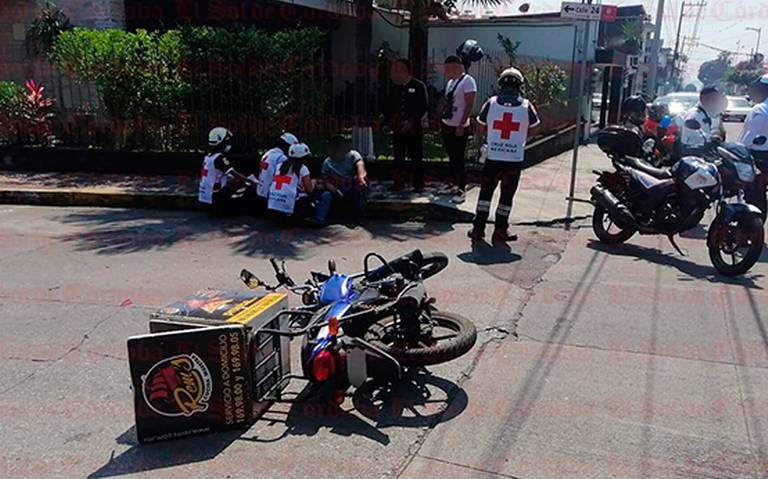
x=745, y=171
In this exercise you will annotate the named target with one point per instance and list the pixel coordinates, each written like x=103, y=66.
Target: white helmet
x=219, y=135
x=299, y=150
x=511, y=76
x=289, y=138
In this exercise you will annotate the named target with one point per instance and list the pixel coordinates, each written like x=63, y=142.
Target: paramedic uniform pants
x=494, y=173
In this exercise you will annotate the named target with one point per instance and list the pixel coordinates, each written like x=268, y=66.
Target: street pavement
x=631, y=361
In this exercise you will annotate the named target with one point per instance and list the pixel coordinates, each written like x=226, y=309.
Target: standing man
x=703, y=122
x=460, y=92
x=505, y=119
x=755, y=137
x=407, y=106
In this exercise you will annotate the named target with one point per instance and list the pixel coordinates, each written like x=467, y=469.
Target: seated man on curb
x=344, y=176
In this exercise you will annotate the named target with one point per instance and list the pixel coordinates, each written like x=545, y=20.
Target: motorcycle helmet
x=219, y=136
x=289, y=138
x=657, y=112
x=633, y=110
x=511, y=77
x=469, y=51
x=299, y=150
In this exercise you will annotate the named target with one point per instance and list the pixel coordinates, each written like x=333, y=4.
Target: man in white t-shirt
x=460, y=92
x=755, y=137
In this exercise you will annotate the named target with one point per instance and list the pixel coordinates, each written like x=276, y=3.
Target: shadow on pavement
x=683, y=264
x=117, y=231
x=420, y=400
x=163, y=454
x=484, y=254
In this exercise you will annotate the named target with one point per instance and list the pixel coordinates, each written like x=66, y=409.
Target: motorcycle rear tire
x=751, y=223
x=602, y=234
x=441, y=352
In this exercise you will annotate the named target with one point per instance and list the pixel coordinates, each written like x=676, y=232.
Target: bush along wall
x=163, y=90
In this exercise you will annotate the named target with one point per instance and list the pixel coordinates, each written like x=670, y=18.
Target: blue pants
x=353, y=199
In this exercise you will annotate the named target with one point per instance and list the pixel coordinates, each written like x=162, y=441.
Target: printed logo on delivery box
x=178, y=386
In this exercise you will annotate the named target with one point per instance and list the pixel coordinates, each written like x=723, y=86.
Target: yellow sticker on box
x=257, y=308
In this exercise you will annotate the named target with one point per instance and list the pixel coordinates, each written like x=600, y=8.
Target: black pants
x=413, y=144
x=495, y=172
x=456, y=147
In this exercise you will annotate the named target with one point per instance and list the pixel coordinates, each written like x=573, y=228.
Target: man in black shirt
x=408, y=104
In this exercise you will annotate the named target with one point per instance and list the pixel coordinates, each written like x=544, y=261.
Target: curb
x=421, y=209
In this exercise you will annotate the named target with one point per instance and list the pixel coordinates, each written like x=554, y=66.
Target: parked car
x=737, y=110
x=678, y=102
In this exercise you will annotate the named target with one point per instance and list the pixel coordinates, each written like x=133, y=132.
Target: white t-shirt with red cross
x=267, y=170
x=211, y=179
x=507, y=119
x=286, y=189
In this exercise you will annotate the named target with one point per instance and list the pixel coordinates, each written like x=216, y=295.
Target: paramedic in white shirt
x=505, y=119
x=217, y=173
x=268, y=164
x=703, y=123
x=291, y=186
x=460, y=92
x=755, y=137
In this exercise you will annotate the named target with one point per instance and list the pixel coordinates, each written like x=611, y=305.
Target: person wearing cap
x=754, y=136
x=345, y=182
x=216, y=189
x=291, y=186
x=703, y=123
x=407, y=106
x=460, y=92
x=505, y=120
x=268, y=164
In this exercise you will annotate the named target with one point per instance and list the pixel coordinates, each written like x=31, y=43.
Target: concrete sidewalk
x=541, y=197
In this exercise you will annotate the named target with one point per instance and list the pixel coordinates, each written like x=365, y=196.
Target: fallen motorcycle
x=369, y=325
x=638, y=197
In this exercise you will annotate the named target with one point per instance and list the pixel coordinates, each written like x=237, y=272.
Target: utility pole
x=676, y=55
x=651, y=87
x=759, y=32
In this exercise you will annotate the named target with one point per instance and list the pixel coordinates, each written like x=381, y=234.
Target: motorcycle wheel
x=432, y=264
x=459, y=337
x=725, y=240
x=606, y=230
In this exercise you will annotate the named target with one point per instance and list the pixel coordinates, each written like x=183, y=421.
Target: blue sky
x=722, y=25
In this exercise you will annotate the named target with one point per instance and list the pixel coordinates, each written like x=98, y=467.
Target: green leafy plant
x=510, y=47
x=136, y=74
x=25, y=112
x=745, y=73
x=545, y=83
x=45, y=28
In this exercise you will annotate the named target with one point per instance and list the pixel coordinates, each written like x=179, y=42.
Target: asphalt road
x=591, y=361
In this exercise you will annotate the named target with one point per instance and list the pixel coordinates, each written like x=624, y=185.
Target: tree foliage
x=714, y=71
x=45, y=28
x=746, y=72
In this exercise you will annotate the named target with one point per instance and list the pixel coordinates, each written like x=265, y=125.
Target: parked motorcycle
x=638, y=197
x=372, y=324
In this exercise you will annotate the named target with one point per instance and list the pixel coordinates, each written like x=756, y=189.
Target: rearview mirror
x=250, y=279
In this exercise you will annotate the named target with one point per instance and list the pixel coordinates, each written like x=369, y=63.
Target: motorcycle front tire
x=754, y=226
x=598, y=226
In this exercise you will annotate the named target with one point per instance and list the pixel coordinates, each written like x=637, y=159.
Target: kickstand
x=672, y=240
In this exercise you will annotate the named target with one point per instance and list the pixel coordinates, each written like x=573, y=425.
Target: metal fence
x=229, y=98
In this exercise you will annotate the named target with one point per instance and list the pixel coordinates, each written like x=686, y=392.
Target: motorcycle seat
x=638, y=164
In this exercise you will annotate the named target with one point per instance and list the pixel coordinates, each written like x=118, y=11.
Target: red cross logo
x=264, y=163
x=204, y=171
x=281, y=180
x=506, y=126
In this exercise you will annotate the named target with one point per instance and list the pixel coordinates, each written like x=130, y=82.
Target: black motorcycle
x=639, y=198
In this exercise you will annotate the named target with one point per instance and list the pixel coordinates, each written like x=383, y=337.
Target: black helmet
x=633, y=109
x=469, y=51
x=657, y=112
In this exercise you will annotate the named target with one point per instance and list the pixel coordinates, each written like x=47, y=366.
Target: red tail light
x=323, y=366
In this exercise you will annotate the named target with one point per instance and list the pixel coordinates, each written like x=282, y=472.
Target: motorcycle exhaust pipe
x=615, y=208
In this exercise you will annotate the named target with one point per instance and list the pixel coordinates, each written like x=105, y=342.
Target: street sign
x=580, y=11
x=609, y=13
x=584, y=11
